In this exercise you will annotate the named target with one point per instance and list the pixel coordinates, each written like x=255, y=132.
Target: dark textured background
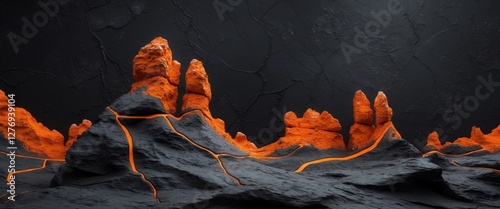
x=263, y=55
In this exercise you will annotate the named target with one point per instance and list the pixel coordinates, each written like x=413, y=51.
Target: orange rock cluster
x=158, y=75
x=35, y=137
x=315, y=129
x=322, y=130
x=489, y=142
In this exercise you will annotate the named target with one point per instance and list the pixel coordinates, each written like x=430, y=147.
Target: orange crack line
x=216, y=156
x=198, y=110
x=453, y=155
x=486, y=168
x=37, y=158
x=44, y=164
x=349, y=157
x=131, y=153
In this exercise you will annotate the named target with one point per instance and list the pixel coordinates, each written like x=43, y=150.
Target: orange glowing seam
x=349, y=157
x=45, y=160
x=216, y=156
x=44, y=164
x=452, y=155
x=131, y=154
x=473, y=167
x=37, y=158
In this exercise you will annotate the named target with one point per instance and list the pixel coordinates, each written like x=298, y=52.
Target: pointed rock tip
x=362, y=111
x=383, y=112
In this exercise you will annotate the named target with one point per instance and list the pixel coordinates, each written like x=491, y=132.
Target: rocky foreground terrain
x=143, y=152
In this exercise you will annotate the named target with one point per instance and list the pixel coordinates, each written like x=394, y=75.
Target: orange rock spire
x=155, y=71
x=363, y=128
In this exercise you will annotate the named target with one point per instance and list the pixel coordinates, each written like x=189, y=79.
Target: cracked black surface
x=263, y=55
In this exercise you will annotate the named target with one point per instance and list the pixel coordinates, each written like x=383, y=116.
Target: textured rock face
x=198, y=92
x=382, y=110
x=138, y=154
x=314, y=129
x=363, y=128
x=478, y=142
x=433, y=142
x=34, y=136
x=76, y=130
x=155, y=71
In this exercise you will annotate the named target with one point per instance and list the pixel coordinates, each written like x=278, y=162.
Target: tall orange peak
x=198, y=92
x=363, y=128
x=478, y=140
x=361, y=132
x=383, y=112
x=154, y=70
x=35, y=137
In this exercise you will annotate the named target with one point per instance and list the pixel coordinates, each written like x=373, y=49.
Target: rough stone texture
x=478, y=141
x=362, y=110
x=314, y=129
x=262, y=55
x=77, y=130
x=34, y=136
x=187, y=176
x=198, y=91
x=433, y=142
x=154, y=69
x=383, y=113
x=361, y=131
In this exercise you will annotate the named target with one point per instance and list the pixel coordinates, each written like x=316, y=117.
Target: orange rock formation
x=363, y=128
x=489, y=142
x=35, y=137
x=198, y=92
x=155, y=71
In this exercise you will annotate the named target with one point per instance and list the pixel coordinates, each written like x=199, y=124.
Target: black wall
x=264, y=55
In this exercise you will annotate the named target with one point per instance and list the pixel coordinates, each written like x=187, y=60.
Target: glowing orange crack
x=474, y=167
x=452, y=155
x=44, y=164
x=131, y=154
x=216, y=156
x=349, y=157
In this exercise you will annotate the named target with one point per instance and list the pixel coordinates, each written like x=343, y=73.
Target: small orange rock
x=433, y=142
x=76, y=130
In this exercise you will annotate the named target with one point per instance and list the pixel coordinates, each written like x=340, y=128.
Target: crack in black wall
x=263, y=55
